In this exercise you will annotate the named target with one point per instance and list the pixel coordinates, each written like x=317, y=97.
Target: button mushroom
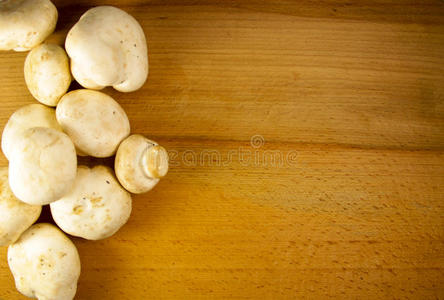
x=32, y=115
x=140, y=163
x=15, y=215
x=107, y=47
x=43, y=166
x=25, y=23
x=45, y=263
x=94, y=121
x=96, y=207
x=47, y=73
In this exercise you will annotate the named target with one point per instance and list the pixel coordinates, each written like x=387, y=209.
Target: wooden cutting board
x=307, y=152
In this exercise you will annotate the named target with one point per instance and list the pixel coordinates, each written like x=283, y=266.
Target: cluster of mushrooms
x=106, y=47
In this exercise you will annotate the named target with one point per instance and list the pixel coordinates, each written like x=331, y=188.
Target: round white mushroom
x=32, y=115
x=45, y=263
x=47, y=73
x=25, y=24
x=43, y=166
x=15, y=215
x=140, y=163
x=94, y=121
x=107, y=47
x=96, y=207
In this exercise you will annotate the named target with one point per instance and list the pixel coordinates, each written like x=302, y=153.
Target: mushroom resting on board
x=45, y=263
x=25, y=23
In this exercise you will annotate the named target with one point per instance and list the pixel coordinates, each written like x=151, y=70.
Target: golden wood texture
x=348, y=97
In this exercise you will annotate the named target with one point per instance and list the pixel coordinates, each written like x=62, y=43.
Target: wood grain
x=343, y=195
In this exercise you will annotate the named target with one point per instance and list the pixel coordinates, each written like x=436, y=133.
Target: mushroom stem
x=155, y=161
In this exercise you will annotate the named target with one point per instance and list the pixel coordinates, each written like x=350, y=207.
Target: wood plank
x=286, y=77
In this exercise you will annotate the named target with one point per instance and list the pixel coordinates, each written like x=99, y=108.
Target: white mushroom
x=140, y=163
x=25, y=23
x=32, y=115
x=47, y=73
x=15, y=215
x=107, y=47
x=43, y=166
x=96, y=207
x=45, y=263
x=94, y=121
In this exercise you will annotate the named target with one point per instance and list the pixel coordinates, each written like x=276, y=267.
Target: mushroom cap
x=45, y=263
x=28, y=116
x=94, y=121
x=43, y=166
x=25, y=23
x=15, y=215
x=96, y=207
x=47, y=73
x=140, y=163
x=107, y=47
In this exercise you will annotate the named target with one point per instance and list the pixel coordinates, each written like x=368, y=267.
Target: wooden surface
x=347, y=97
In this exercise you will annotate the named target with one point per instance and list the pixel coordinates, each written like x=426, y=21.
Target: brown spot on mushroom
x=95, y=201
x=44, y=56
x=77, y=210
